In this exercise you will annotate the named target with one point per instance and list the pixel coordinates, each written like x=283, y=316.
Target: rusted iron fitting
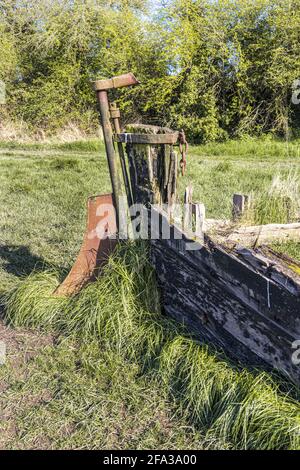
x=115, y=116
x=116, y=82
x=114, y=111
x=183, y=149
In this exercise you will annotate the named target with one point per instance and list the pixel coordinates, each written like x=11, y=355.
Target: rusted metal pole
x=109, y=146
x=101, y=87
x=115, y=115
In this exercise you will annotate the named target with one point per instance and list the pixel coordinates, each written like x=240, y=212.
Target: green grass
x=265, y=148
x=43, y=207
x=290, y=248
x=121, y=375
x=72, y=398
x=279, y=203
x=215, y=178
x=89, y=145
x=118, y=318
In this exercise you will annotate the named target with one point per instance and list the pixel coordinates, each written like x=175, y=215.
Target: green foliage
x=70, y=397
x=7, y=54
x=214, y=68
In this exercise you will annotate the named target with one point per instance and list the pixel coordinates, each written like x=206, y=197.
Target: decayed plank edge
x=268, y=263
x=253, y=289
x=273, y=266
x=147, y=129
x=216, y=316
x=261, y=234
x=258, y=290
x=129, y=138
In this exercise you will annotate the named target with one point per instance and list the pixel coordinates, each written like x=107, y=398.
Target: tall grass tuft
x=121, y=309
x=243, y=410
x=118, y=318
x=280, y=203
x=30, y=302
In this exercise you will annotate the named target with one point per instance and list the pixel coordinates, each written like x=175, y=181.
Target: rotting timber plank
x=153, y=173
x=259, y=234
x=244, y=301
x=228, y=301
x=128, y=138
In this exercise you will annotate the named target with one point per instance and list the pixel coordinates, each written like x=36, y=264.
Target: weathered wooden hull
x=244, y=301
x=240, y=301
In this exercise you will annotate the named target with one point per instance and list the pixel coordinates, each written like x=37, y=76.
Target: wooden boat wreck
x=241, y=299
x=233, y=293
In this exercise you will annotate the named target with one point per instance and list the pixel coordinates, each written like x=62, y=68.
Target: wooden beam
x=241, y=300
x=260, y=234
x=198, y=220
x=115, y=82
x=187, y=208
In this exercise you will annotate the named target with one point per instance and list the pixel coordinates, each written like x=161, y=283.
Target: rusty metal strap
x=129, y=138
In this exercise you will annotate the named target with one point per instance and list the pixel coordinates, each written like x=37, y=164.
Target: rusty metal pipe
x=101, y=87
x=95, y=249
x=116, y=82
x=115, y=115
x=109, y=147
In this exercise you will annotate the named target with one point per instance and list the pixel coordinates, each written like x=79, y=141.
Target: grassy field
x=43, y=192
x=108, y=370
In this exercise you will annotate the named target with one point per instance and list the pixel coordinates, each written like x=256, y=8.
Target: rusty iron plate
x=94, y=250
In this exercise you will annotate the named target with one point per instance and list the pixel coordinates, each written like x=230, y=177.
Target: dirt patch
x=21, y=345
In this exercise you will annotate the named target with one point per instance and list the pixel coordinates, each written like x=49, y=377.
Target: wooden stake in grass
x=198, y=219
x=187, y=211
x=194, y=214
x=240, y=203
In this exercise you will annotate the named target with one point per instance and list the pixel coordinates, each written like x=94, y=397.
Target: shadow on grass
x=19, y=261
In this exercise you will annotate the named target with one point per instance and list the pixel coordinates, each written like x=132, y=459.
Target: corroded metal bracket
x=129, y=138
x=127, y=79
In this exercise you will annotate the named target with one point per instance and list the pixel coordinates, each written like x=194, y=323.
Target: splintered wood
x=244, y=301
x=153, y=168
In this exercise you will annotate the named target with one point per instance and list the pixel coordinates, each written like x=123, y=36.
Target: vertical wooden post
x=152, y=165
x=109, y=146
x=193, y=214
x=240, y=204
x=171, y=188
x=115, y=115
x=198, y=217
x=187, y=208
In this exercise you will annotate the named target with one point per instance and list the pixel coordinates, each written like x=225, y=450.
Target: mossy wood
x=153, y=164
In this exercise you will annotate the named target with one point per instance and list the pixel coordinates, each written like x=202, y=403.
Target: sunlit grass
x=120, y=313
x=121, y=349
